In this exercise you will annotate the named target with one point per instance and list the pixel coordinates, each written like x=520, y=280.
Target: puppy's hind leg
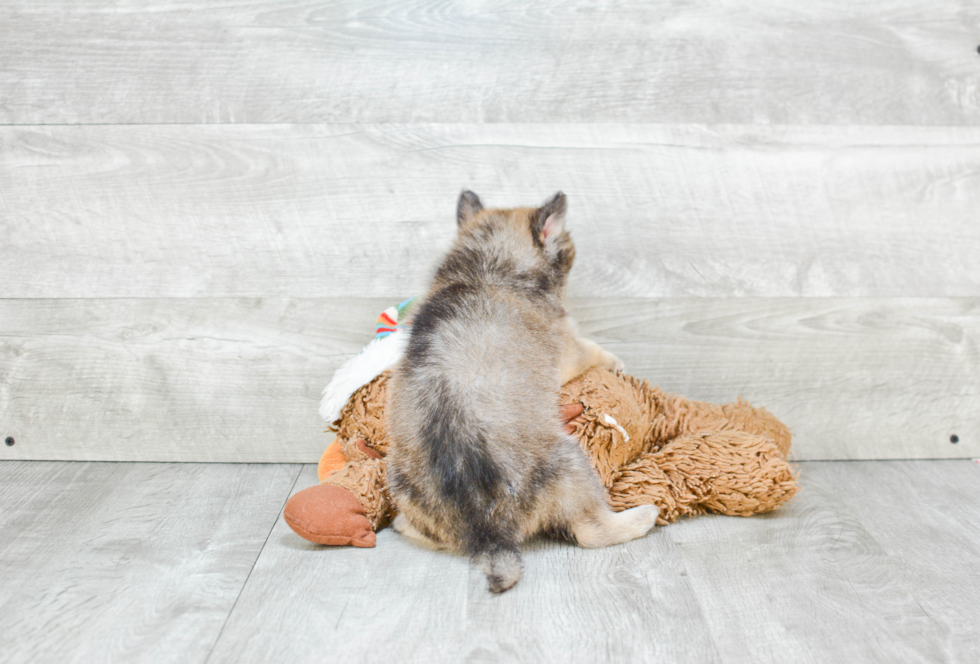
x=605, y=527
x=403, y=526
x=586, y=516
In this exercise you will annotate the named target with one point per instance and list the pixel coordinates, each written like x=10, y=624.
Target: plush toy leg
x=644, y=482
x=367, y=479
x=673, y=416
x=346, y=508
x=728, y=472
x=351, y=501
x=745, y=417
x=329, y=514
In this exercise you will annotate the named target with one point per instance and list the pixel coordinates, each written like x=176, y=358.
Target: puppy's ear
x=469, y=204
x=548, y=221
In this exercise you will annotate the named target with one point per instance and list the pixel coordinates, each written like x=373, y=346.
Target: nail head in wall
x=9, y=441
x=954, y=438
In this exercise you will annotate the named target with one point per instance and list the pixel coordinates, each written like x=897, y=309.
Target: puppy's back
x=473, y=410
x=463, y=422
x=478, y=459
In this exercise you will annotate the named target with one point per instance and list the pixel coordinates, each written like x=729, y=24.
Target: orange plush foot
x=329, y=514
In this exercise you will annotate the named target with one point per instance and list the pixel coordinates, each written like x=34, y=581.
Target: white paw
x=614, y=363
x=644, y=519
x=405, y=528
x=400, y=524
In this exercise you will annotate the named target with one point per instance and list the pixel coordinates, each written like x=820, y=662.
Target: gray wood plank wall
x=880, y=62
x=239, y=379
x=203, y=207
x=353, y=210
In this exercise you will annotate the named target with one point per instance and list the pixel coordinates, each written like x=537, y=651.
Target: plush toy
x=648, y=447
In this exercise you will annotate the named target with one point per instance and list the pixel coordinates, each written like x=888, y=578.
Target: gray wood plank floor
x=103, y=562
x=872, y=562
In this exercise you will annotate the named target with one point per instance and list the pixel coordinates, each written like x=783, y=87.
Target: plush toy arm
x=333, y=459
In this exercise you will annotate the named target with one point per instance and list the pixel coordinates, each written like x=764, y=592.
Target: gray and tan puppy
x=479, y=460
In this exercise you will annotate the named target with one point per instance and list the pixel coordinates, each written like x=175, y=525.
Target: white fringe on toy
x=377, y=356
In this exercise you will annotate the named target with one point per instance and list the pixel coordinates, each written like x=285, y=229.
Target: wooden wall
x=203, y=207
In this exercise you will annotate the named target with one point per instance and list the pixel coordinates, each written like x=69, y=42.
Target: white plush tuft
x=360, y=370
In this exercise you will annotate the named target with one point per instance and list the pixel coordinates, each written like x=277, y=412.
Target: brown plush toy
x=648, y=447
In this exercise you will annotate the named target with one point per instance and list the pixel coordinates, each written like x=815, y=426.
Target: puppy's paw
x=404, y=528
x=400, y=524
x=644, y=518
x=612, y=362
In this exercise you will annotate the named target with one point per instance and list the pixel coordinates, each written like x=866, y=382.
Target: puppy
x=479, y=460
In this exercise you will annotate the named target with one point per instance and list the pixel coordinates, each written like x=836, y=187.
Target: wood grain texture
x=575, y=605
x=128, y=562
x=240, y=379
x=364, y=211
x=928, y=519
x=872, y=561
x=398, y=602
x=368, y=605
x=837, y=575
x=812, y=584
x=173, y=380
x=853, y=378
x=877, y=62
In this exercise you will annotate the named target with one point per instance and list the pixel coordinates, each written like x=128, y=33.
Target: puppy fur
x=479, y=460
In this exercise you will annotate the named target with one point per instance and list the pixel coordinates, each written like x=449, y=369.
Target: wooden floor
x=105, y=562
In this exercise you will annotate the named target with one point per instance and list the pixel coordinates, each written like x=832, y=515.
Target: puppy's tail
x=502, y=565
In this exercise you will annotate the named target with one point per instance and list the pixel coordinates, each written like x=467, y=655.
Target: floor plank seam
x=258, y=555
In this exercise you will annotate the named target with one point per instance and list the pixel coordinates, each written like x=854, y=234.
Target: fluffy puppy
x=479, y=460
